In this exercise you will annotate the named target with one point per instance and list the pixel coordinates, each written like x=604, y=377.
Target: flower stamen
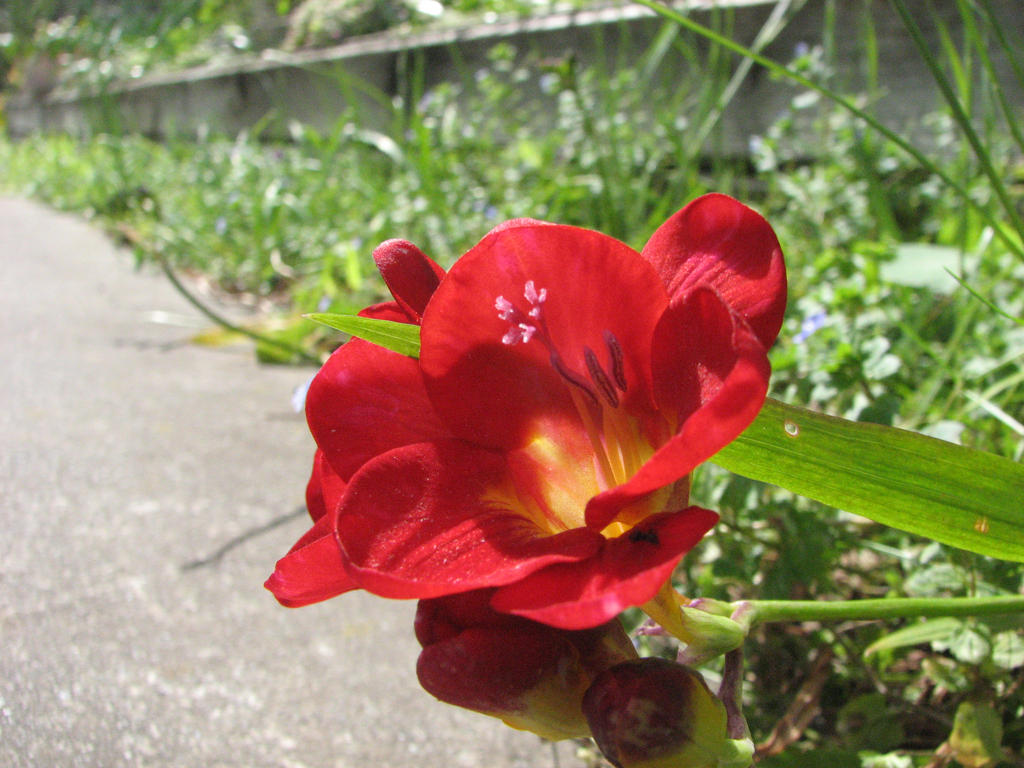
x=597, y=393
x=618, y=365
x=600, y=378
x=573, y=378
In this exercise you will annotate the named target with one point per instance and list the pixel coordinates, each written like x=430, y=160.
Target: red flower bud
x=530, y=675
x=654, y=713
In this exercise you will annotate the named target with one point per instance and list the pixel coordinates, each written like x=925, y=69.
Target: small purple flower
x=810, y=325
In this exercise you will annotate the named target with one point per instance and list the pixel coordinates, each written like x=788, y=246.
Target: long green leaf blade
x=403, y=338
x=958, y=496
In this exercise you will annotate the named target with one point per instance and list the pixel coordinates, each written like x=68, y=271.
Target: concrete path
x=125, y=454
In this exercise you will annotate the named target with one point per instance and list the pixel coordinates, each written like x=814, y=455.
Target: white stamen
x=521, y=332
x=504, y=307
x=534, y=296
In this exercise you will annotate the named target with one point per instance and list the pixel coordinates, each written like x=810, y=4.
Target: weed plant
x=905, y=309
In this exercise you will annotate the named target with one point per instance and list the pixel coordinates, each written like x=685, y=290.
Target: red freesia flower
x=541, y=445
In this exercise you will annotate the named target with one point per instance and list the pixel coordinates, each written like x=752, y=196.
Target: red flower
x=530, y=675
x=541, y=444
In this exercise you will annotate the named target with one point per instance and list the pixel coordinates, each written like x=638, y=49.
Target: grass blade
x=960, y=116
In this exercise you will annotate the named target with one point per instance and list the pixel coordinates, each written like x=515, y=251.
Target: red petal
x=717, y=242
x=367, y=400
x=434, y=519
x=386, y=310
x=710, y=374
x=324, y=488
x=441, y=618
x=312, y=570
x=491, y=392
x=478, y=670
x=628, y=571
x=411, y=276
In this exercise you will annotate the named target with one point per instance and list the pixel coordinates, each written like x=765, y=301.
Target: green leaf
x=1008, y=650
x=967, y=644
x=916, y=634
x=403, y=338
x=977, y=735
x=947, y=631
x=958, y=496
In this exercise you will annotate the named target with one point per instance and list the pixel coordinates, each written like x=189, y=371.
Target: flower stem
x=730, y=695
x=763, y=611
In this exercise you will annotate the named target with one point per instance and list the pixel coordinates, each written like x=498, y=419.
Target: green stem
x=763, y=611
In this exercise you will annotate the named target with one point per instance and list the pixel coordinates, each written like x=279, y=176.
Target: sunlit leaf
x=958, y=496
x=967, y=644
x=402, y=338
x=977, y=735
x=1008, y=649
x=943, y=630
x=916, y=634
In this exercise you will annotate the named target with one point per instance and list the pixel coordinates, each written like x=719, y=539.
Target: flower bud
x=706, y=626
x=530, y=675
x=708, y=635
x=654, y=713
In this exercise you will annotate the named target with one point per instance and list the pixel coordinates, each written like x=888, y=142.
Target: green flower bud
x=708, y=635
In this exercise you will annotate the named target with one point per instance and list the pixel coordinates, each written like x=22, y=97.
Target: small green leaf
x=967, y=644
x=403, y=338
x=1008, y=650
x=955, y=495
x=866, y=723
x=942, y=632
x=915, y=634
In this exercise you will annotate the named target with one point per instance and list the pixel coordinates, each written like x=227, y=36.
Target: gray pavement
x=125, y=454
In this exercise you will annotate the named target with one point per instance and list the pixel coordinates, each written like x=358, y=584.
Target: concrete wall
x=316, y=87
